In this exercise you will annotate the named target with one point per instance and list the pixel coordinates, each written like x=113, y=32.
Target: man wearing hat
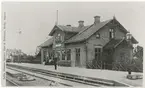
x=55, y=60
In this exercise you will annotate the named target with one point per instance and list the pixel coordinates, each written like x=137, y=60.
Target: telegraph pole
x=56, y=23
x=19, y=53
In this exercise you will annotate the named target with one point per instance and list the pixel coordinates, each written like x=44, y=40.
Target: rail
x=11, y=81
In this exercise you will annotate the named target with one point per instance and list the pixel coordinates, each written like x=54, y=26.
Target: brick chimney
x=68, y=25
x=96, y=19
x=81, y=23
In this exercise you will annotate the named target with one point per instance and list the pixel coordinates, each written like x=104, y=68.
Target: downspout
x=42, y=55
x=113, y=61
x=86, y=52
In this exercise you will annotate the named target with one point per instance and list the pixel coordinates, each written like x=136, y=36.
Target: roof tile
x=87, y=32
x=70, y=28
x=47, y=43
x=112, y=43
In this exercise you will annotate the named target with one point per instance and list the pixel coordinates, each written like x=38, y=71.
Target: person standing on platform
x=55, y=61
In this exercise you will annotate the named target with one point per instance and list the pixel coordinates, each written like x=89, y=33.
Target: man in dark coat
x=55, y=62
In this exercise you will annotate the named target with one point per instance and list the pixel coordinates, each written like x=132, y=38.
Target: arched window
x=97, y=35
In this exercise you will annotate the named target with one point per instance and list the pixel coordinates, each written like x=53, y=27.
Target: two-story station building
x=104, y=44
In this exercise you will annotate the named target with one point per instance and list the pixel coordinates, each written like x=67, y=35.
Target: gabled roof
x=66, y=29
x=134, y=41
x=113, y=43
x=47, y=43
x=82, y=33
x=86, y=33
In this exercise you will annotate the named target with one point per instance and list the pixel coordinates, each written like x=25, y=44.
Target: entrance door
x=98, y=53
x=77, y=62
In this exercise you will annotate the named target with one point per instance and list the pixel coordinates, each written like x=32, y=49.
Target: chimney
x=68, y=25
x=96, y=19
x=81, y=23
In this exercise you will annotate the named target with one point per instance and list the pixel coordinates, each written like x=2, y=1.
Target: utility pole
x=19, y=52
x=56, y=23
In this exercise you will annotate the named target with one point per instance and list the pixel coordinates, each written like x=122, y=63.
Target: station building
x=105, y=44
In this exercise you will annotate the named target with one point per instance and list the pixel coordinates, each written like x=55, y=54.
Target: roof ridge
x=85, y=29
x=81, y=31
x=72, y=26
x=92, y=25
x=104, y=24
x=99, y=25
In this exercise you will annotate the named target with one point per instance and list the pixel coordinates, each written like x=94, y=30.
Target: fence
x=118, y=66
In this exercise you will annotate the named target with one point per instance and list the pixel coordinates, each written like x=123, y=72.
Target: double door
x=98, y=54
x=77, y=61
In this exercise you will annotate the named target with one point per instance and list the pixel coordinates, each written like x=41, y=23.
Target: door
x=77, y=61
x=98, y=54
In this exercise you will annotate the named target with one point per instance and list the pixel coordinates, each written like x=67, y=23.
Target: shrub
x=64, y=63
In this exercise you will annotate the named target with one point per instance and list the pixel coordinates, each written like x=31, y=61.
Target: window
x=69, y=54
x=45, y=55
x=63, y=54
x=50, y=55
x=78, y=53
x=58, y=39
x=97, y=35
x=128, y=36
x=111, y=33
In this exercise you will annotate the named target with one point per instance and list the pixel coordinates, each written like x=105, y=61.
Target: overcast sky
x=36, y=20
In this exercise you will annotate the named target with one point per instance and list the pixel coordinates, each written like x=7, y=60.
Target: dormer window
x=128, y=36
x=111, y=33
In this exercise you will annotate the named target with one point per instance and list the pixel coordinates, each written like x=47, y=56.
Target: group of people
x=53, y=60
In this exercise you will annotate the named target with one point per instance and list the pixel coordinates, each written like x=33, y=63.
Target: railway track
x=12, y=82
x=50, y=79
x=16, y=83
x=70, y=77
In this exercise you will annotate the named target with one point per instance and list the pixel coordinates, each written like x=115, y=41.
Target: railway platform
x=117, y=76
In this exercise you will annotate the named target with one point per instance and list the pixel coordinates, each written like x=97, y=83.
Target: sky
x=36, y=19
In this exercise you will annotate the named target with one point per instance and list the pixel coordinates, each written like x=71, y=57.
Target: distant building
x=9, y=57
x=106, y=45
x=14, y=55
